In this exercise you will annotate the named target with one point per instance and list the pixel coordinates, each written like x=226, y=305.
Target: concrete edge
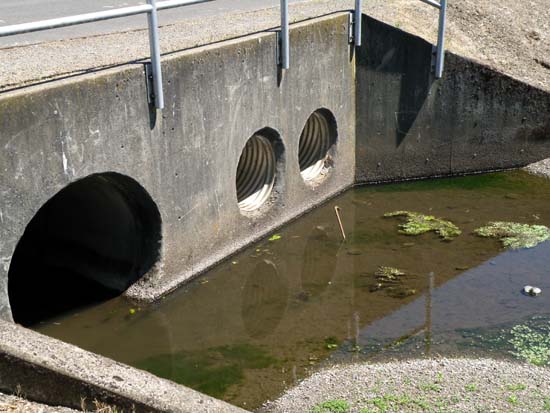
x=50, y=371
x=81, y=56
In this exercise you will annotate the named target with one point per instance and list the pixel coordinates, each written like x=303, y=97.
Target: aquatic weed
x=514, y=235
x=418, y=223
x=388, y=273
x=530, y=345
x=389, y=279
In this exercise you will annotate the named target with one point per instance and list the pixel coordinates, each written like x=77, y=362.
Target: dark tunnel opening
x=88, y=243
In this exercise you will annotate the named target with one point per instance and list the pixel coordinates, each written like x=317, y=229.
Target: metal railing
x=150, y=8
x=440, y=52
x=154, y=74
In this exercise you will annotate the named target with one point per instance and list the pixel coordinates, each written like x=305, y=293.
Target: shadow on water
x=279, y=310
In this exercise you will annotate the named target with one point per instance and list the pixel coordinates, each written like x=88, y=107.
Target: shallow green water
x=274, y=313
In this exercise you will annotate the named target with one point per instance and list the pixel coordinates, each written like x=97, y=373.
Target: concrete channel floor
x=477, y=29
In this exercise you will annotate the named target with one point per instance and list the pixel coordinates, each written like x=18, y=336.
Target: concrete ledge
x=53, y=372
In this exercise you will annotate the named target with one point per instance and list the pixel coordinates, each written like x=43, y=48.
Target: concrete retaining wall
x=410, y=125
x=186, y=158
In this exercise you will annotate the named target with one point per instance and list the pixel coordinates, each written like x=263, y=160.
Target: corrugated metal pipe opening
x=317, y=139
x=256, y=172
x=87, y=243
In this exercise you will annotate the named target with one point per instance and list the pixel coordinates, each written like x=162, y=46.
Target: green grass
x=390, y=402
x=471, y=387
x=435, y=387
x=513, y=399
x=332, y=406
x=516, y=387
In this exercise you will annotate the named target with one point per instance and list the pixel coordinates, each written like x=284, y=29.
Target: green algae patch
x=531, y=345
x=211, y=371
x=388, y=273
x=528, y=341
x=417, y=224
x=390, y=281
x=514, y=235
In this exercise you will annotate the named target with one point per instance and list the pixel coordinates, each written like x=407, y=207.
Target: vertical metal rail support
x=357, y=23
x=155, y=55
x=440, y=58
x=284, y=50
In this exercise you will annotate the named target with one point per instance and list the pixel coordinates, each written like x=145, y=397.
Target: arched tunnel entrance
x=89, y=242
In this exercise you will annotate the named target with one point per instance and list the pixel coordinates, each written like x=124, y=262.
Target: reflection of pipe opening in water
x=89, y=242
x=265, y=296
x=319, y=263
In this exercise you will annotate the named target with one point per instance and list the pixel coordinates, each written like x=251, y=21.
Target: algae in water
x=417, y=224
x=531, y=345
x=528, y=340
x=390, y=281
x=211, y=371
x=388, y=273
x=514, y=235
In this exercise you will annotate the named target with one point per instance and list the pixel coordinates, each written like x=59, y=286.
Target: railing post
x=152, y=19
x=440, y=58
x=357, y=23
x=284, y=51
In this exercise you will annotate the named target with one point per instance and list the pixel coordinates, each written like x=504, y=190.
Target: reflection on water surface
x=272, y=314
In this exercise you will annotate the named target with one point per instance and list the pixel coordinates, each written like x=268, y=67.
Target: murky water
x=274, y=313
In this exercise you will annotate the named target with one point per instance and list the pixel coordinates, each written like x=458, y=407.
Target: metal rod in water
x=440, y=58
x=284, y=36
x=152, y=19
x=357, y=23
x=428, y=324
x=337, y=210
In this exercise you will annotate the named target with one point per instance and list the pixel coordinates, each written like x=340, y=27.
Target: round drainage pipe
x=255, y=173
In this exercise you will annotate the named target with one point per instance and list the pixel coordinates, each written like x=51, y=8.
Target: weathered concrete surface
x=66, y=58
x=17, y=404
x=53, y=372
x=410, y=125
x=186, y=158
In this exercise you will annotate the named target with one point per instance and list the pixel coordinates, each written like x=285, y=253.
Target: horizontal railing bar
x=170, y=4
x=432, y=3
x=91, y=17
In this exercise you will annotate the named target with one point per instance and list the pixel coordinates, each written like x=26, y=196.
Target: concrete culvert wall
x=257, y=168
x=89, y=242
x=317, y=139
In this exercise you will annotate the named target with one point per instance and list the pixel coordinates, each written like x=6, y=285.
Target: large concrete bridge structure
x=102, y=194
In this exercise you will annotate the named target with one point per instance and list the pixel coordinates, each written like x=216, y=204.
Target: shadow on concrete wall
x=402, y=62
x=411, y=125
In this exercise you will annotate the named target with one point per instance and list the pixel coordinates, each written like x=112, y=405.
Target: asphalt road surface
x=23, y=11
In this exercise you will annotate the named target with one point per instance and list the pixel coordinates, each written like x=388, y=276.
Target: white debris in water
x=532, y=291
